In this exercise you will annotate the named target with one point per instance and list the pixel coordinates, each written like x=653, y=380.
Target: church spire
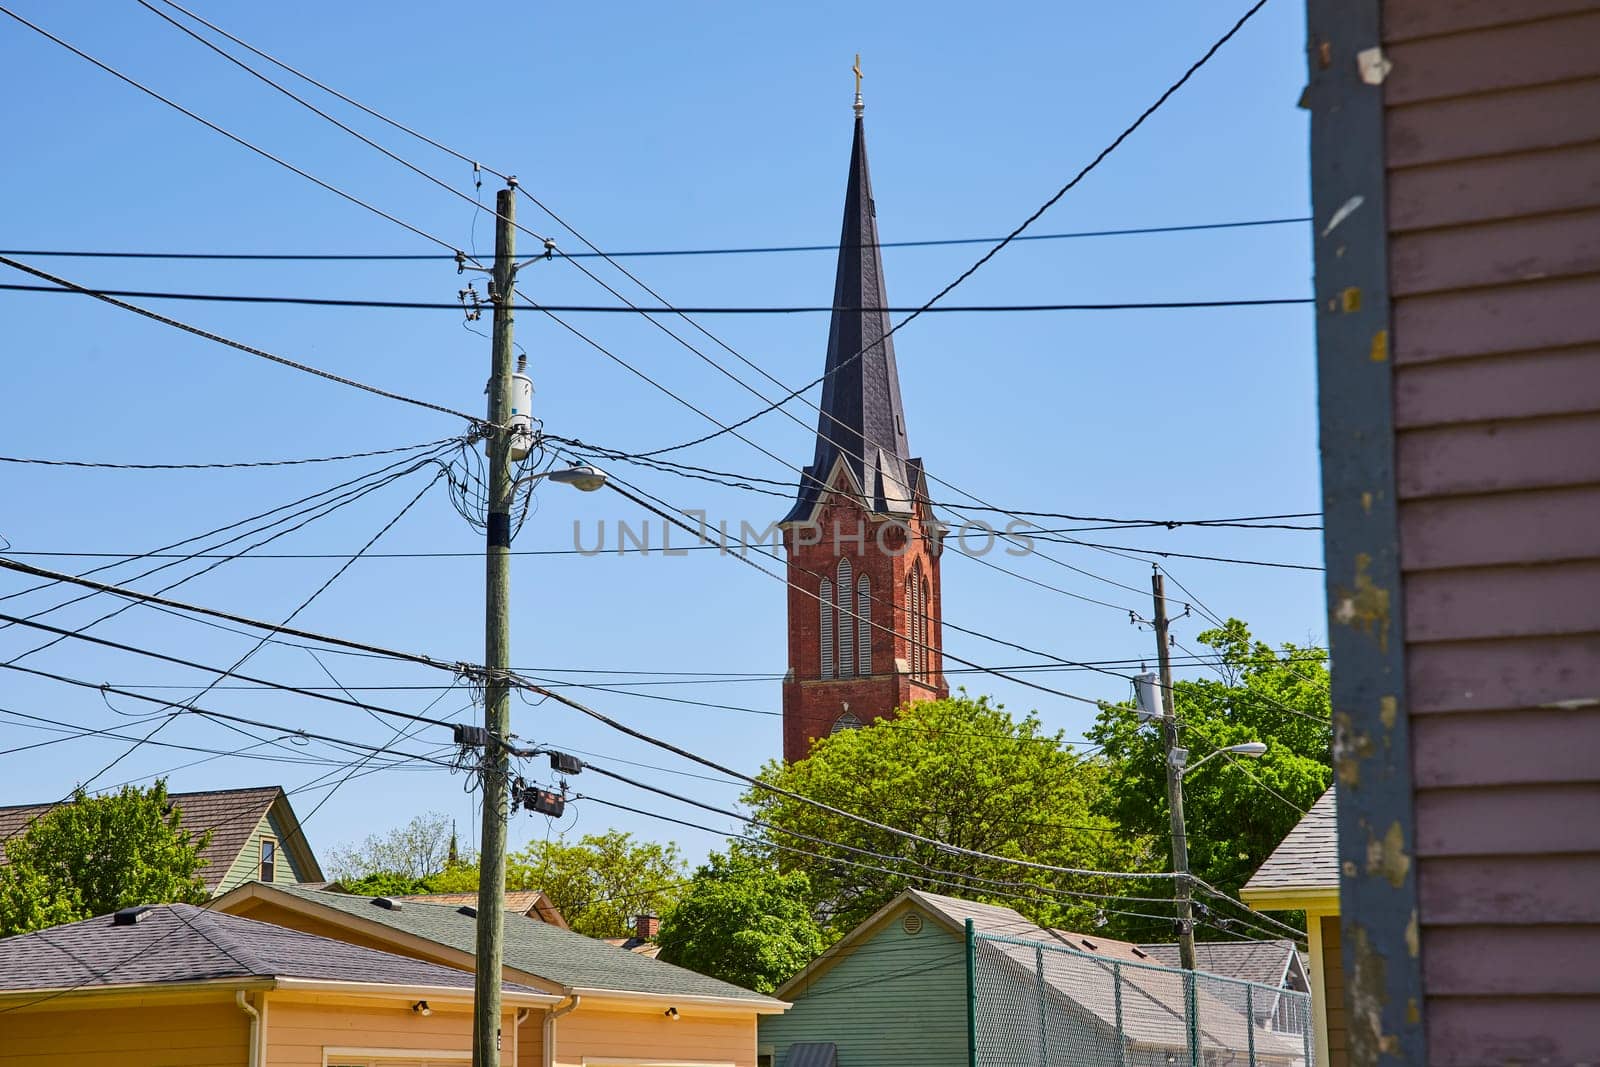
x=861, y=420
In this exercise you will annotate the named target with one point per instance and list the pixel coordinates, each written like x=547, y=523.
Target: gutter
x=242, y=999
x=550, y=1018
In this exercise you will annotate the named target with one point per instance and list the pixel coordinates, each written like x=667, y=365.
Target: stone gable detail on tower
x=862, y=540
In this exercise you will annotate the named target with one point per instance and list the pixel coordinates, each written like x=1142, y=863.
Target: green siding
x=247, y=864
x=897, y=999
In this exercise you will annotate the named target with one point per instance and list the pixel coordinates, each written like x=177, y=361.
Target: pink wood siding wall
x=1493, y=156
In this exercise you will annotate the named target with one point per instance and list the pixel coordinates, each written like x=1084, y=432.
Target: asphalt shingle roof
x=1309, y=857
x=185, y=943
x=231, y=815
x=539, y=948
x=1262, y=962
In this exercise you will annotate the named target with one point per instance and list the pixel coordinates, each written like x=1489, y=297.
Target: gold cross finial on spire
x=857, y=70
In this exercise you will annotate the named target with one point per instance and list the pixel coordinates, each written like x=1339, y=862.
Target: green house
x=255, y=835
x=941, y=982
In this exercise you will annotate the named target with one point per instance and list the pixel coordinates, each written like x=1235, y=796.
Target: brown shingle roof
x=231, y=815
x=184, y=943
x=529, y=902
x=1309, y=857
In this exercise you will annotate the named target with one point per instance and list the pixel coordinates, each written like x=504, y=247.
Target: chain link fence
x=1042, y=1005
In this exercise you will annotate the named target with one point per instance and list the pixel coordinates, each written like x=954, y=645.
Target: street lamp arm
x=1253, y=749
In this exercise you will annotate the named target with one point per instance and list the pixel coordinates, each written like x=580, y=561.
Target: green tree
x=960, y=771
x=603, y=880
x=1236, y=810
x=743, y=921
x=420, y=849
x=94, y=855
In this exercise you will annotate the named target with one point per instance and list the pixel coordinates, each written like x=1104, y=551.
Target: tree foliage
x=419, y=850
x=603, y=880
x=961, y=771
x=743, y=921
x=1236, y=810
x=95, y=855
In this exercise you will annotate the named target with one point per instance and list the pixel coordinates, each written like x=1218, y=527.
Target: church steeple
x=862, y=541
x=861, y=420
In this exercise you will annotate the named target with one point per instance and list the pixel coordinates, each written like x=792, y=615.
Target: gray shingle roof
x=860, y=416
x=539, y=948
x=1309, y=857
x=185, y=943
x=1263, y=962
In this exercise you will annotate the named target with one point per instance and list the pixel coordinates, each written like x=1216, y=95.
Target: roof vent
x=468, y=910
x=1090, y=945
x=388, y=903
x=912, y=923
x=129, y=916
x=1141, y=953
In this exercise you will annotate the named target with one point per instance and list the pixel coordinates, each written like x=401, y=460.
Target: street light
x=1252, y=749
x=583, y=478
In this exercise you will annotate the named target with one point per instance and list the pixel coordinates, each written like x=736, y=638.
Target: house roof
x=1308, y=859
x=1262, y=962
x=568, y=959
x=1153, y=997
x=231, y=815
x=173, y=943
x=638, y=945
x=530, y=902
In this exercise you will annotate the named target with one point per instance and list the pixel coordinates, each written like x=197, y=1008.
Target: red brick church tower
x=862, y=540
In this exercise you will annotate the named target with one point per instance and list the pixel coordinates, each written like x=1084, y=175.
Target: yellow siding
x=299, y=1031
x=209, y=1034
x=650, y=1037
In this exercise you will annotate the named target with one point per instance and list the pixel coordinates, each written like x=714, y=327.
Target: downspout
x=550, y=1029
x=242, y=999
x=516, y=1035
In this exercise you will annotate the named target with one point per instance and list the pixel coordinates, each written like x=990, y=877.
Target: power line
x=235, y=138
x=631, y=254
x=631, y=309
x=238, y=345
x=1012, y=236
x=777, y=790
x=105, y=465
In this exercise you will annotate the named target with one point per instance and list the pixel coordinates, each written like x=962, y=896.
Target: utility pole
x=1169, y=743
x=496, y=765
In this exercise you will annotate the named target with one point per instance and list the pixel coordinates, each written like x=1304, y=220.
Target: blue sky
x=647, y=126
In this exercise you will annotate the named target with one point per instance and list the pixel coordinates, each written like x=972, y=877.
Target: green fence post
x=1250, y=1020
x=1044, y=1026
x=1116, y=997
x=1192, y=1010
x=972, y=996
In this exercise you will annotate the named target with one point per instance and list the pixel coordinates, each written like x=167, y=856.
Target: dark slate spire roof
x=861, y=416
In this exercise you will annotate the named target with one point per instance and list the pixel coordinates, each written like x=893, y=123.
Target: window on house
x=269, y=859
x=825, y=602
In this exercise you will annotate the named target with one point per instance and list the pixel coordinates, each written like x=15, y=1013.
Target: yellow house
x=177, y=985
x=611, y=1006
x=1302, y=874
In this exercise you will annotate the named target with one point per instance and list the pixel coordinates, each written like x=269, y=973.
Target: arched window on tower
x=864, y=625
x=846, y=630
x=925, y=604
x=914, y=630
x=825, y=601
x=846, y=721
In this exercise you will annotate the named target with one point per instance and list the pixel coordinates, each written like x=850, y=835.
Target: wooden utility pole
x=1169, y=744
x=496, y=765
